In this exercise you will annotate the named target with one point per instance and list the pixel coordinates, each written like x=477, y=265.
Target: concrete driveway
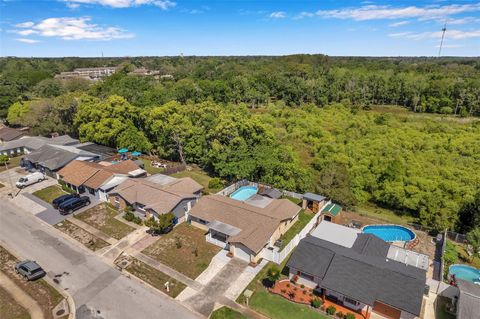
x=99, y=291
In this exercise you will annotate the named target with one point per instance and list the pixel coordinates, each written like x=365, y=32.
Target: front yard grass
x=9, y=308
x=226, y=313
x=13, y=162
x=46, y=296
x=81, y=235
x=102, y=217
x=155, y=277
x=274, y=306
x=303, y=219
x=151, y=169
x=48, y=194
x=198, y=175
x=184, y=249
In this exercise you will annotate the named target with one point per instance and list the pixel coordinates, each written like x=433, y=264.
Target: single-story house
x=313, y=202
x=97, y=179
x=243, y=229
x=27, y=144
x=331, y=212
x=8, y=134
x=468, y=303
x=360, y=271
x=51, y=158
x=153, y=199
x=102, y=150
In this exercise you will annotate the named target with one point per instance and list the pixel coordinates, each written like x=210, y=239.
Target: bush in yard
x=273, y=274
x=288, y=285
x=291, y=295
x=331, y=310
x=283, y=291
x=129, y=216
x=304, y=292
x=316, y=303
x=302, y=286
x=178, y=242
x=163, y=225
x=340, y=314
x=3, y=159
x=215, y=183
x=349, y=316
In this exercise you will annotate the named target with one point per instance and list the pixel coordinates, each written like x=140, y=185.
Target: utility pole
x=443, y=37
x=10, y=179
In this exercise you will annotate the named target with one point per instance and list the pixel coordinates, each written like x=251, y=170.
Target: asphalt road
x=99, y=291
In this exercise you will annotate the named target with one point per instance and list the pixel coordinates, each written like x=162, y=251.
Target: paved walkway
x=92, y=230
x=21, y=297
x=112, y=252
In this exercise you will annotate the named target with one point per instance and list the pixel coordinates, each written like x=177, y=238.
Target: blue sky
x=235, y=27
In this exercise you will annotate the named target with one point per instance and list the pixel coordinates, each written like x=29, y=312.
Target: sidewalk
x=21, y=297
x=112, y=252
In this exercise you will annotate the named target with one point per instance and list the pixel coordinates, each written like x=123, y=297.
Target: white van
x=30, y=179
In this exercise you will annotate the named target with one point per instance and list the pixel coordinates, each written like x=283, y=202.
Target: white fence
x=278, y=256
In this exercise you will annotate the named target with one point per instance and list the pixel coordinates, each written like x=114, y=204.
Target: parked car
x=61, y=199
x=73, y=204
x=30, y=270
x=30, y=179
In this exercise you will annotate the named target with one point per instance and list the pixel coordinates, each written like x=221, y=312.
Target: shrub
x=215, y=183
x=288, y=285
x=304, y=292
x=302, y=286
x=283, y=291
x=178, y=242
x=291, y=295
x=129, y=216
x=3, y=159
x=331, y=310
x=349, y=316
x=316, y=303
x=295, y=288
x=310, y=294
x=273, y=274
x=340, y=314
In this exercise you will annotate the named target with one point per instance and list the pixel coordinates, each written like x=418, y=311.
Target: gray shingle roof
x=314, y=197
x=54, y=157
x=469, y=300
x=370, y=245
x=271, y=192
x=35, y=142
x=364, y=277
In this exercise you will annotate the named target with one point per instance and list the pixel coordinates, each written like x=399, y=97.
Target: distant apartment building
x=88, y=73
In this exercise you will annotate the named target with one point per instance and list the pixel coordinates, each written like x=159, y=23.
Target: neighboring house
x=103, y=151
x=242, y=228
x=313, y=202
x=468, y=303
x=360, y=271
x=27, y=144
x=8, y=134
x=149, y=199
x=97, y=179
x=51, y=158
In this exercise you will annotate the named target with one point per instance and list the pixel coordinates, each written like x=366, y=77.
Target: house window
x=117, y=199
x=203, y=222
x=140, y=208
x=350, y=301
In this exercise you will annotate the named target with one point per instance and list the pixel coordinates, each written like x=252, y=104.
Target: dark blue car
x=73, y=204
x=61, y=199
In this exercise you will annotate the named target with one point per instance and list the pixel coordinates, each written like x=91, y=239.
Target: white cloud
x=303, y=14
x=463, y=21
x=74, y=29
x=162, y=4
x=449, y=34
x=278, y=15
x=376, y=12
x=399, y=23
x=30, y=41
x=27, y=24
x=452, y=46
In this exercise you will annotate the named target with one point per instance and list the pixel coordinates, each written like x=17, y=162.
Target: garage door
x=242, y=253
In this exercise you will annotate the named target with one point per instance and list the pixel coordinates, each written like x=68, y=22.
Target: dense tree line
x=299, y=122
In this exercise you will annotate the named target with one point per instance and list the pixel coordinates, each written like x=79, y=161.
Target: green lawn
x=155, y=278
x=303, y=219
x=48, y=194
x=184, y=249
x=199, y=176
x=383, y=214
x=226, y=313
x=13, y=162
x=150, y=169
x=102, y=217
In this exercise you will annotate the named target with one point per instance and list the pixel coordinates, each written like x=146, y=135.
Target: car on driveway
x=73, y=204
x=29, y=270
x=61, y=199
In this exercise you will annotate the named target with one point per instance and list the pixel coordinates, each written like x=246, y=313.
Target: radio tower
x=443, y=37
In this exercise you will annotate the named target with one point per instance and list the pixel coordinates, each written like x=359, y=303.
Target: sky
x=90, y=28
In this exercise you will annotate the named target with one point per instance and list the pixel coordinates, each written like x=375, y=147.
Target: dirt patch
x=184, y=249
x=9, y=308
x=46, y=296
x=81, y=235
x=103, y=218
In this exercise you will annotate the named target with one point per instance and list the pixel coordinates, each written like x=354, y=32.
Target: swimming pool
x=390, y=232
x=244, y=193
x=465, y=272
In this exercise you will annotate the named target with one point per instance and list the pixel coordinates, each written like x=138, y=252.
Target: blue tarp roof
x=123, y=150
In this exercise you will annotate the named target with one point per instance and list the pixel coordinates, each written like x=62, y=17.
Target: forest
x=402, y=133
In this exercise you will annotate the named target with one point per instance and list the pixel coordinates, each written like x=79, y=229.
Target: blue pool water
x=244, y=193
x=390, y=232
x=465, y=272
